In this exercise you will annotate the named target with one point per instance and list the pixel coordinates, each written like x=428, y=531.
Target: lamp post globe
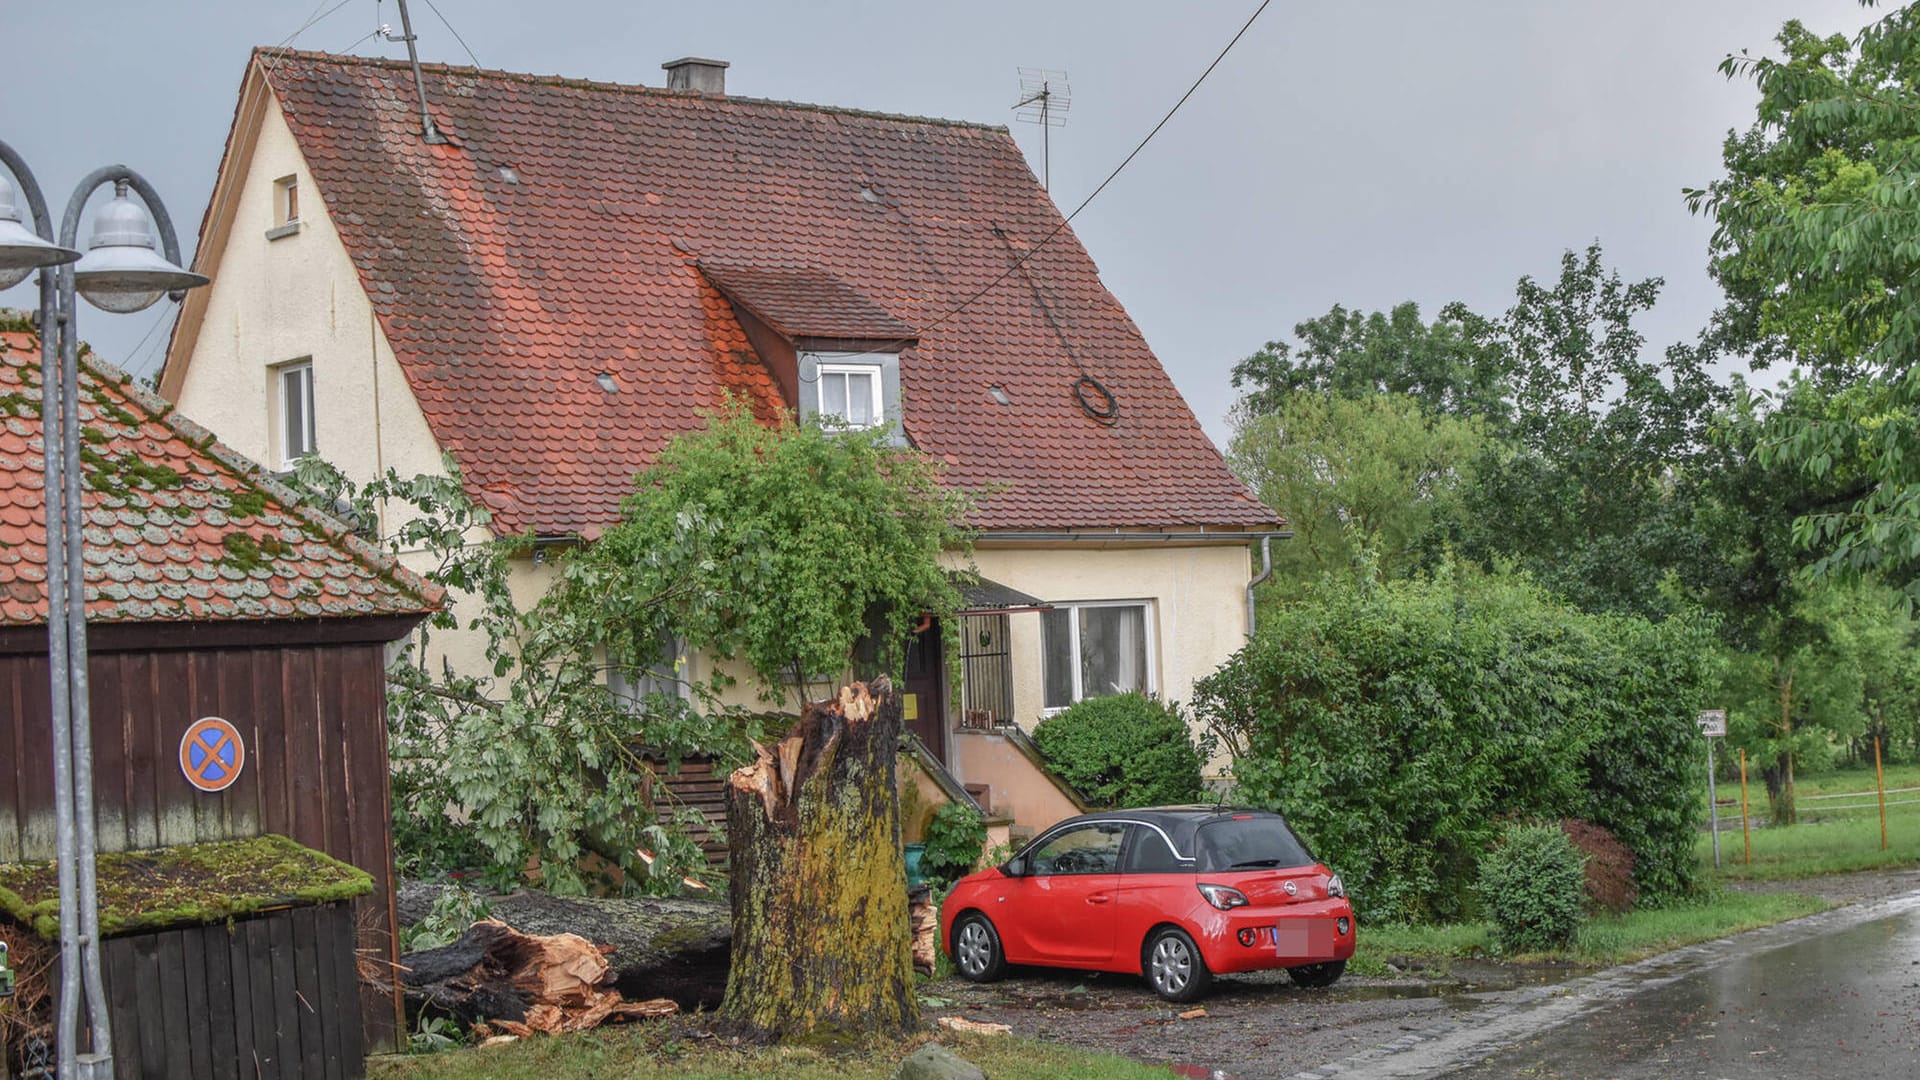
x=121, y=272
x=21, y=252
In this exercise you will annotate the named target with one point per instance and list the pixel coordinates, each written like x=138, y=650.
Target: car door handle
x=1098, y=898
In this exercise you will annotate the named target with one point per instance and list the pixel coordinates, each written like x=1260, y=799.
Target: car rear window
x=1250, y=843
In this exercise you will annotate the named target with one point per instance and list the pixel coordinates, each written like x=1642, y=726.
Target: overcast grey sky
x=1360, y=153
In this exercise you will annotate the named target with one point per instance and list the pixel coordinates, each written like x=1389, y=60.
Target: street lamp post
x=121, y=273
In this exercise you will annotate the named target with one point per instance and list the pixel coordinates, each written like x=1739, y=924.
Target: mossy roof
x=185, y=885
x=178, y=527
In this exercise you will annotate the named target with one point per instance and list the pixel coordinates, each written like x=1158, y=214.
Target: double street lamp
x=121, y=272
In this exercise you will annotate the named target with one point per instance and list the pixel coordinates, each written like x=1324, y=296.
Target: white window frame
x=669, y=674
x=876, y=378
x=302, y=369
x=1073, y=608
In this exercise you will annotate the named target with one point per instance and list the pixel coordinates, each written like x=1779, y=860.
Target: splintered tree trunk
x=820, y=934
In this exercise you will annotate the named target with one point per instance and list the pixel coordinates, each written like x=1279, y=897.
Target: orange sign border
x=240, y=758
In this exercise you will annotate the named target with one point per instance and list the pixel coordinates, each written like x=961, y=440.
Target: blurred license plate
x=1303, y=937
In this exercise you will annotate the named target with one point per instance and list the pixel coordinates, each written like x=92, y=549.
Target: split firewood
x=925, y=918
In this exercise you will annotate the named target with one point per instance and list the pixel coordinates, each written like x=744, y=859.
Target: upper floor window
x=1095, y=649
x=851, y=391
x=286, y=208
x=295, y=411
x=851, y=395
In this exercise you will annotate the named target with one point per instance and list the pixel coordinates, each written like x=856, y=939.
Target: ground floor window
x=1095, y=649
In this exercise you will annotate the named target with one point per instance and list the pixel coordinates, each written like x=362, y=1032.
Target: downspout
x=1266, y=571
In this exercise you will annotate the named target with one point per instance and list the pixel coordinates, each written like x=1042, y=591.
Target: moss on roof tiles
x=185, y=885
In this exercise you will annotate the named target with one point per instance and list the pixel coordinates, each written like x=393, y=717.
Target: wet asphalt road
x=1841, y=1004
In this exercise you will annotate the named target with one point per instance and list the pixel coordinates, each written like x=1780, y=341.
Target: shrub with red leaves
x=1609, y=866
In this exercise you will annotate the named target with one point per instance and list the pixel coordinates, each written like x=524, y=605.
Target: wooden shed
x=210, y=596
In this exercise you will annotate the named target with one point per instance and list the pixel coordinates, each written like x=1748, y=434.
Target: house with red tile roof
x=576, y=271
x=210, y=593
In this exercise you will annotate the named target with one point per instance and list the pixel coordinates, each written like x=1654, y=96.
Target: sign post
x=1713, y=725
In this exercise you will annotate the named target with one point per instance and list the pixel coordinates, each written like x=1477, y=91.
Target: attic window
x=286, y=207
x=999, y=394
x=607, y=383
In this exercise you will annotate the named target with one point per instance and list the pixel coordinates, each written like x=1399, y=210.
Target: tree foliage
x=1396, y=722
x=1347, y=354
x=776, y=544
x=1364, y=474
x=1588, y=491
x=1817, y=247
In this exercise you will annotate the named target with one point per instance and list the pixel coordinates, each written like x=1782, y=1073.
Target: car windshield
x=1250, y=843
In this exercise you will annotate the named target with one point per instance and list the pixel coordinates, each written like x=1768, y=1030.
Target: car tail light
x=1336, y=887
x=1224, y=897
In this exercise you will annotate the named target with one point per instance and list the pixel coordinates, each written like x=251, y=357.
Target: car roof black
x=1178, y=822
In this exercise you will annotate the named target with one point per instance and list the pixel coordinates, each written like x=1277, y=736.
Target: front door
x=920, y=697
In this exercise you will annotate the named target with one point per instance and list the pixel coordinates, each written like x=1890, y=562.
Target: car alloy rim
x=973, y=948
x=1172, y=967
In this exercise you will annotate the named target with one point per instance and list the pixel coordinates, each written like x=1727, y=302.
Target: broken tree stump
x=818, y=886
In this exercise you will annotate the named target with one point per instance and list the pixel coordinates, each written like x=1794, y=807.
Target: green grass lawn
x=1606, y=940
x=662, y=1050
x=1835, y=835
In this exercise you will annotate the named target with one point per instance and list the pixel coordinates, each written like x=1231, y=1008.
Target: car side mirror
x=1015, y=867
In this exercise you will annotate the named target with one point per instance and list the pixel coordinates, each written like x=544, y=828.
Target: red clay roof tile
x=177, y=527
x=563, y=233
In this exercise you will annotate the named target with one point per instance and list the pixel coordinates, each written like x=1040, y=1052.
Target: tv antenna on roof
x=1044, y=98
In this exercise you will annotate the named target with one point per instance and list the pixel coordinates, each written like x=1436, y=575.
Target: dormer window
x=851, y=395
x=851, y=391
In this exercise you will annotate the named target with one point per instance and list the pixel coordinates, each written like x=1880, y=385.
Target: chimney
x=695, y=73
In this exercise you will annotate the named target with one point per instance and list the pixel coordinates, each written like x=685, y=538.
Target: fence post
x=1745, y=837
x=1880, y=784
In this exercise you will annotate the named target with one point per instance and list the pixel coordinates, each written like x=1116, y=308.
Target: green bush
x=1123, y=750
x=1395, y=723
x=1533, y=886
x=955, y=837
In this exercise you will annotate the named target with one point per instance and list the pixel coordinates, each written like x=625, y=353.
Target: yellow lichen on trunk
x=821, y=942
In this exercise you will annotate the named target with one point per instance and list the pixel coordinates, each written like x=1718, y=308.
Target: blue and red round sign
x=212, y=754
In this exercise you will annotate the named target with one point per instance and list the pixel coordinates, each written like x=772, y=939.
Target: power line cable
x=286, y=43
x=455, y=33
x=1117, y=170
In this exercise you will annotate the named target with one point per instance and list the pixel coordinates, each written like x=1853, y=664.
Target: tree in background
x=1589, y=491
x=1347, y=354
x=1357, y=476
x=1817, y=247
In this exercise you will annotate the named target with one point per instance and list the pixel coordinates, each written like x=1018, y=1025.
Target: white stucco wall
x=1196, y=593
x=298, y=297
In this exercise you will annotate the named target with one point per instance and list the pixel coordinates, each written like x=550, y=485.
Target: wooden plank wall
x=314, y=720
x=271, y=998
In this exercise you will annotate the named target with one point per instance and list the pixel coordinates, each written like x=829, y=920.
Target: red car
x=1176, y=893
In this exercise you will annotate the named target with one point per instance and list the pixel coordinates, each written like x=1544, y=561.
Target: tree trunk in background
x=1780, y=777
x=820, y=934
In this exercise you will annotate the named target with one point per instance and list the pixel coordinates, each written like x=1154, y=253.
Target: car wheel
x=1315, y=976
x=976, y=949
x=1174, y=967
